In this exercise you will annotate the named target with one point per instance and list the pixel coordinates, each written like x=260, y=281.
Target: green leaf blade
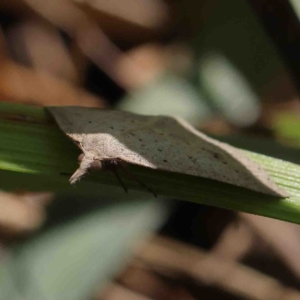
x=38, y=157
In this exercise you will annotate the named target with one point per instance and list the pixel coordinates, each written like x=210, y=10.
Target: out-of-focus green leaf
x=234, y=57
x=287, y=127
x=75, y=260
x=169, y=95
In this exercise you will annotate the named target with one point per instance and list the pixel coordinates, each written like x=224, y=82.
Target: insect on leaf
x=158, y=142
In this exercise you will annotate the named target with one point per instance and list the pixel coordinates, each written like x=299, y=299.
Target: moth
x=110, y=137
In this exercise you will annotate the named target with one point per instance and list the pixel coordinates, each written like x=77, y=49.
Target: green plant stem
x=35, y=155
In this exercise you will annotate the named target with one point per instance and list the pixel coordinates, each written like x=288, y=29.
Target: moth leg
x=136, y=179
x=85, y=165
x=114, y=170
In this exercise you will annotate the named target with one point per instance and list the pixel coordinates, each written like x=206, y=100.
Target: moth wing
x=173, y=145
x=163, y=143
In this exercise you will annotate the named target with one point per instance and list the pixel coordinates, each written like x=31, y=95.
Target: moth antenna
x=136, y=179
x=85, y=164
x=114, y=170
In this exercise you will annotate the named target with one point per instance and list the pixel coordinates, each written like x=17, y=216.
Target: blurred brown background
x=228, y=67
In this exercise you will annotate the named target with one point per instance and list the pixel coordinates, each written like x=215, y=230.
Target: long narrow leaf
x=35, y=155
